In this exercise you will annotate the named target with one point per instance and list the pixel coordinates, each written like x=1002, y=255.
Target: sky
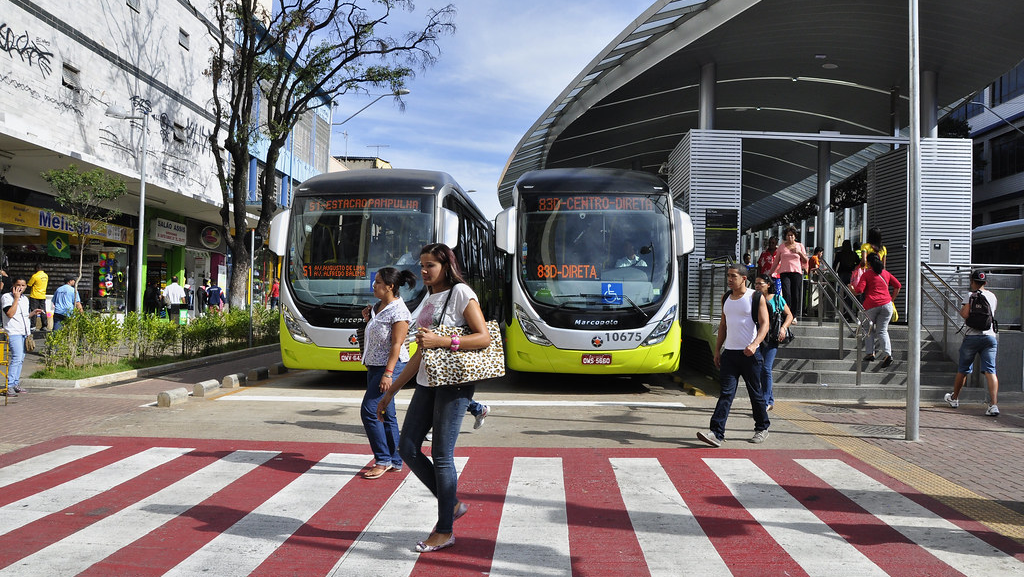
x=506, y=62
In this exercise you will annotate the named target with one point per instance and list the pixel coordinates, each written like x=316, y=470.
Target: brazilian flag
x=58, y=245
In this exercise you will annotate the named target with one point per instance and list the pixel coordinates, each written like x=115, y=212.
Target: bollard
x=205, y=387
x=278, y=369
x=233, y=381
x=172, y=397
x=257, y=374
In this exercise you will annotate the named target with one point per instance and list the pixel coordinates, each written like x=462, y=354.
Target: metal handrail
x=947, y=302
x=833, y=288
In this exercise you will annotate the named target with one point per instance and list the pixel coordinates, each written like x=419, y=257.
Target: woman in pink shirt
x=789, y=265
x=878, y=306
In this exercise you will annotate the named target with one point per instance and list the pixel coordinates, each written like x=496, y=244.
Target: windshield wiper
x=629, y=300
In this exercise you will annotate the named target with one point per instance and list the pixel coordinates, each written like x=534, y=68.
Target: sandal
x=377, y=471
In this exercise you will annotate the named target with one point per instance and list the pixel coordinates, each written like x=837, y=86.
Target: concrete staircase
x=811, y=368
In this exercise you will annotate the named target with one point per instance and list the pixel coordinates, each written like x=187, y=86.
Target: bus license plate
x=350, y=357
x=592, y=359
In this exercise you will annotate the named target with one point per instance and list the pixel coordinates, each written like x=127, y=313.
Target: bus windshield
x=595, y=251
x=337, y=244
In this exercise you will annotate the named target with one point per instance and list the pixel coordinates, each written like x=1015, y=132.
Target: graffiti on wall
x=26, y=48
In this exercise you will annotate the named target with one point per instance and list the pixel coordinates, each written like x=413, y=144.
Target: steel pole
x=913, y=280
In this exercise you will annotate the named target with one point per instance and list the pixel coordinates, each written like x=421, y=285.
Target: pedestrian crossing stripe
x=103, y=506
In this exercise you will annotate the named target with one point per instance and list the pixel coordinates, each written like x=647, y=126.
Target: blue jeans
x=986, y=346
x=17, y=343
x=735, y=365
x=383, y=435
x=440, y=408
x=768, y=363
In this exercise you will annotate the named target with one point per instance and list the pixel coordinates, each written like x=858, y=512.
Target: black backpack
x=979, y=313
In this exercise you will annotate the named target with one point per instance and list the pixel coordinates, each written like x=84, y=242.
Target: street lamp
x=399, y=92
x=115, y=112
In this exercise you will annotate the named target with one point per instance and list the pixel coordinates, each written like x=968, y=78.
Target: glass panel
x=338, y=244
x=605, y=251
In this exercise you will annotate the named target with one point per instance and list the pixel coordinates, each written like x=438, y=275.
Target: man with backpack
x=742, y=336
x=979, y=339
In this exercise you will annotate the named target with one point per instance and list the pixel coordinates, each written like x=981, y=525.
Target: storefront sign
x=31, y=217
x=169, y=231
x=210, y=237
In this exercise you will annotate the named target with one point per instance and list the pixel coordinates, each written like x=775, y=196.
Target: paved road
x=134, y=506
x=595, y=466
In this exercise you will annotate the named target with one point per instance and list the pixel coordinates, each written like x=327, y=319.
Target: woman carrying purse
x=449, y=302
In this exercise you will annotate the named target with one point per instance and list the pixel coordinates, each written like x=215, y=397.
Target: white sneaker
x=948, y=397
x=480, y=418
x=709, y=438
x=429, y=437
x=993, y=411
x=759, y=436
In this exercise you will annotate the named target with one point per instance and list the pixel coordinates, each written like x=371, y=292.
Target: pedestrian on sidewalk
x=385, y=354
x=979, y=339
x=789, y=265
x=174, y=295
x=767, y=258
x=451, y=302
x=777, y=307
x=66, y=301
x=215, y=297
x=37, y=295
x=879, y=307
x=17, y=321
x=742, y=338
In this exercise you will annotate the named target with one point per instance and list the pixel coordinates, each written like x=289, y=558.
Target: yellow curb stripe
x=1000, y=519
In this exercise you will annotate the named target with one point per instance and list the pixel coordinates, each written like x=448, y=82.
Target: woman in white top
x=17, y=322
x=449, y=302
x=384, y=354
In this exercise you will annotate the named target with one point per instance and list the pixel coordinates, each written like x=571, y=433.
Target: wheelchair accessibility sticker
x=611, y=293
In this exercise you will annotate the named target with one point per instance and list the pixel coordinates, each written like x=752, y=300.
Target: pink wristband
x=455, y=343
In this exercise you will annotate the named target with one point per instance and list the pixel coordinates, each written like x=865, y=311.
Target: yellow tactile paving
x=1000, y=519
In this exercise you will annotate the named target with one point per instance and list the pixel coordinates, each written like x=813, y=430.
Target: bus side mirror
x=684, y=233
x=279, y=232
x=505, y=231
x=449, y=228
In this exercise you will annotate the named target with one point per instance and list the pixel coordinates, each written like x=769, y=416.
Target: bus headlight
x=294, y=328
x=662, y=328
x=533, y=334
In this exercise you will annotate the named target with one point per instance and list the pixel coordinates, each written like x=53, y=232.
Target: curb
x=209, y=387
x=146, y=372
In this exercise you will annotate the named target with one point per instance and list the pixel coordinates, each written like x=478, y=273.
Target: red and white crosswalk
x=131, y=506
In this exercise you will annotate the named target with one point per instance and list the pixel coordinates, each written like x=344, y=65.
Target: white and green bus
x=594, y=279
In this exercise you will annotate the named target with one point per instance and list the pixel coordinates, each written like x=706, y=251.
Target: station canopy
x=789, y=66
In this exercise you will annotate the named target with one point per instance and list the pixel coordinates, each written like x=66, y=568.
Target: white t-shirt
x=429, y=315
x=740, y=327
x=174, y=294
x=20, y=323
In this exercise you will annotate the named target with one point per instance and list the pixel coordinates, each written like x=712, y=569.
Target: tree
x=291, y=61
x=82, y=195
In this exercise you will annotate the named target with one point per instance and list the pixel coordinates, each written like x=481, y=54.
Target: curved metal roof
x=800, y=66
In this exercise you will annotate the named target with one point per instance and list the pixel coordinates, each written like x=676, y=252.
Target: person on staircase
x=879, y=307
x=789, y=265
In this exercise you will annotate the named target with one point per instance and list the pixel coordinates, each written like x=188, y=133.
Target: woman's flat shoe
x=422, y=547
x=460, y=510
x=377, y=471
x=886, y=361
x=869, y=358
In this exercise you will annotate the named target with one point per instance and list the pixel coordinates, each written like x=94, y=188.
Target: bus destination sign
x=580, y=203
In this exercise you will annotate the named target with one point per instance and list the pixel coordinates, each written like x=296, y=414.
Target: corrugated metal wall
x=705, y=171
x=945, y=204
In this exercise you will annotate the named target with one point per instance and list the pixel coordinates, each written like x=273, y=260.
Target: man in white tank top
x=741, y=357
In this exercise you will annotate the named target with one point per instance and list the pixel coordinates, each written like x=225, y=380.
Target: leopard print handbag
x=447, y=367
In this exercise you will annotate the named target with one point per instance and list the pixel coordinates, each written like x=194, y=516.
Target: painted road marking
x=358, y=401
x=811, y=543
x=240, y=549
x=533, y=537
x=81, y=550
x=41, y=464
x=669, y=534
x=29, y=509
x=267, y=508
x=393, y=533
x=961, y=550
